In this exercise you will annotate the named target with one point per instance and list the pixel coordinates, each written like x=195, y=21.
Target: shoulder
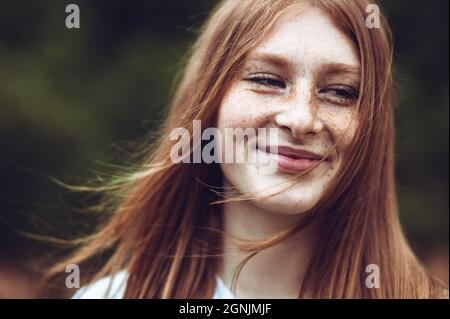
x=112, y=287
x=222, y=291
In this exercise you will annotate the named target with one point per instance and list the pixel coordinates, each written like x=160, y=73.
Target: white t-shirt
x=115, y=289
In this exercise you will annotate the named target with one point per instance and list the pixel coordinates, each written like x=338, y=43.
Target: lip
x=293, y=160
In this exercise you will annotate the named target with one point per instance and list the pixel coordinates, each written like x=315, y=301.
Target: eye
x=339, y=94
x=267, y=80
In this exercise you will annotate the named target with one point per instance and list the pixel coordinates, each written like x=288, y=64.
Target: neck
x=275, y=272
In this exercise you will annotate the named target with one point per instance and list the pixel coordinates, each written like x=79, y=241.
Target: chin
x=275, y=193
x=292, y=201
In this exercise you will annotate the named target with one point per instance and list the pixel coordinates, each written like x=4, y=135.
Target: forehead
x=308, y=36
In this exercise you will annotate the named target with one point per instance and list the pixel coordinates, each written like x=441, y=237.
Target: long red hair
x=168, y=236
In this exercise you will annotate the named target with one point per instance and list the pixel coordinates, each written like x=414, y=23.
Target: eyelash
x=266, y=79
x=342, y=94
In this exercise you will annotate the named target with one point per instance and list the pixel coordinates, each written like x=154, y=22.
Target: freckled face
x=304, y=81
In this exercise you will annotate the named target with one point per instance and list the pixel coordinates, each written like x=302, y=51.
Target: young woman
x=323, y=225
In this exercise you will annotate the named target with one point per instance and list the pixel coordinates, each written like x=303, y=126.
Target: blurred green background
x=68, y=96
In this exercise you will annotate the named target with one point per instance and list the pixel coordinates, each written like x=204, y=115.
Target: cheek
x=241, y=109
x=342, y=124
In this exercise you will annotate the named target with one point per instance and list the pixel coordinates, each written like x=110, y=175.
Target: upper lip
x=295, y=153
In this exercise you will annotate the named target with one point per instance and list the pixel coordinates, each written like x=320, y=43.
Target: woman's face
x=302, y=80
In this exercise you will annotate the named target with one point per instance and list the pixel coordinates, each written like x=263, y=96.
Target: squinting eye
x=265, y=79
x=340, y=94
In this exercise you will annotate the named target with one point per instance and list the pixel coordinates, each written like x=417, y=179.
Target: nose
x=299, y=114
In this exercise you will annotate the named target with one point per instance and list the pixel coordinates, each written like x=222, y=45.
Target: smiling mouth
x=291, y=160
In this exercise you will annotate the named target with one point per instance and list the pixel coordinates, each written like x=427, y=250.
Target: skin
x=298, y=81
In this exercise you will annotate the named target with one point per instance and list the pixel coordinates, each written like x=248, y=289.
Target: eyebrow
x=341, y=68
x=328, y=69
x=275, y=60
